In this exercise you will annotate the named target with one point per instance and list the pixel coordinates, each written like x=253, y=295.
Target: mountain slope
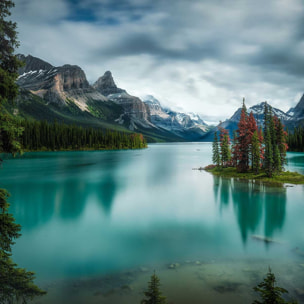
x=231, y=124
x=63, y=93
x=188, y=126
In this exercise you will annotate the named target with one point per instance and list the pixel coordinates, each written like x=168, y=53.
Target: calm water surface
x=92, y=213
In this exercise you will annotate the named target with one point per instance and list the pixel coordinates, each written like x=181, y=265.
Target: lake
x=95, y=225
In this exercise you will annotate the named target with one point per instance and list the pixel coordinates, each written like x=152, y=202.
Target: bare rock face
x=136, y=110
x=56, y=84
x=32, y=64
x=71, y=77
x=299, y=109
x=106, y=85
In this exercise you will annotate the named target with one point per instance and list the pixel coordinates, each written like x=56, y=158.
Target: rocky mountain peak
x=32, y=63
x=106, y=85
x=72, y=77
x=298, y=111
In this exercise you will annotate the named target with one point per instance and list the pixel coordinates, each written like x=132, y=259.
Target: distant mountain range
x=291, y=119
x=64, y=94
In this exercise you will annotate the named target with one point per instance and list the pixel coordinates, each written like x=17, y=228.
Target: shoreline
x=285, y=177
x=211, y=281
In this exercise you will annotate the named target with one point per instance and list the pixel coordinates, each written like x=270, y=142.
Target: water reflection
x=34, y=204
x=251, y=202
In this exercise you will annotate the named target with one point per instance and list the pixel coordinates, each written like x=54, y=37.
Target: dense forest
x=42, y=136
x=252, y=148
x=296, y=140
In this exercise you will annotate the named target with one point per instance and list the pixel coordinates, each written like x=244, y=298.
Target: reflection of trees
x=106, y=192
x=247, y=201
x=275, y=208
x=250, y=200
x=34, y=203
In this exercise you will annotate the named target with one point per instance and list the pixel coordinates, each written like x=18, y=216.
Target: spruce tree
x=225, y=152
x=255, y=152
x=16, y=284
x=269, y=293
x=268, y=156
x=153, y=294
x=242, y=142
x=215, y=151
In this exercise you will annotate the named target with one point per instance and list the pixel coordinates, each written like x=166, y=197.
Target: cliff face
x=106, y=85
x=57, y=84
x=136, y=112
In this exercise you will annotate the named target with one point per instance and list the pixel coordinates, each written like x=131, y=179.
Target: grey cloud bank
x=202, y=56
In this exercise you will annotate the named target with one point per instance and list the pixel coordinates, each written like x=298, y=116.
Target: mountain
x=297, y=113
x=231, y=124
x=188, y=126
x=63, y=93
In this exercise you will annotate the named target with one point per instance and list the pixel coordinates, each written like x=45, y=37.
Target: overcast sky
x=194, y=55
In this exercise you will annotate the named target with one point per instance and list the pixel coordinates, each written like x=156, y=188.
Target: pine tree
x=153, y=294
x=242, y=145
x=255, y=152
x=215, y=151
x=16, y=284
x=270, y=293
x=225, y=152
x=268, y=157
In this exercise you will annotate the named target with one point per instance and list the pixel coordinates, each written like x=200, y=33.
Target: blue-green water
x=92, y=213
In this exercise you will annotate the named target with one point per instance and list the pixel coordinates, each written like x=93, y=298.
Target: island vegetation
x=254, y=153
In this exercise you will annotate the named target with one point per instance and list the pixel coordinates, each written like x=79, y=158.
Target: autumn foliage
x=252, y=148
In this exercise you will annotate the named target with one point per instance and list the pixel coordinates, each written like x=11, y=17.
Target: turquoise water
x=93, y=213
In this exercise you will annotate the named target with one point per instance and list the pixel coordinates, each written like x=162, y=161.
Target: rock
x=174, y=266
x=106, y=85
x=299, y=292
x=198, y=263
x=127, y=287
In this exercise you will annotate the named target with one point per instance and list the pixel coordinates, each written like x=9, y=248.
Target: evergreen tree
x=153, y=294
x=269, y=293
x=242, y=142
x=215, y=151
x=281, y=137
x=225, y=152
x=268, y=156
x=255, y=152
x=16, y=284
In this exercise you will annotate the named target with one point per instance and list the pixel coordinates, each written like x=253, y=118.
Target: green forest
x=296, y=140
x=42, y=136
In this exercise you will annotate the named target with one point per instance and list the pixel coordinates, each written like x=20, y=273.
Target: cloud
x=203, y=56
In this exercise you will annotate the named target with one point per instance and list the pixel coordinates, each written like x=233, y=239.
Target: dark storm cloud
x=227, y=48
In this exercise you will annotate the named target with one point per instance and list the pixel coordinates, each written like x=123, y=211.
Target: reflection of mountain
x=106, y=190
x=251, y=201
x=35, y=204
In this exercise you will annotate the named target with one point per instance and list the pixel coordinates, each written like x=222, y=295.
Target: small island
x=254, y=154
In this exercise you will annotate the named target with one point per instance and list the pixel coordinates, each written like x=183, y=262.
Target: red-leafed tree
x=242, y=142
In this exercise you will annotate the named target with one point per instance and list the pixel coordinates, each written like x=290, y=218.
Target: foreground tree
x=153, y=294
x=269, y=293
x=16, y=284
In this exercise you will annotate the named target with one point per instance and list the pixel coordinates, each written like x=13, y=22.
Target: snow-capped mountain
x=290, y=119
x=182, y=124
